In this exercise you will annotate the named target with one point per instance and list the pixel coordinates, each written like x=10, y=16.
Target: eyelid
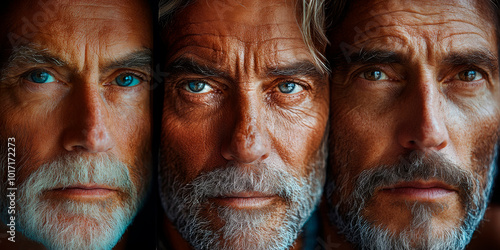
x=483, y=73
x=361, y=73
x=457, y=75
x=32, y=70
x=304, y=84
x=186, y=86
x=141, y=77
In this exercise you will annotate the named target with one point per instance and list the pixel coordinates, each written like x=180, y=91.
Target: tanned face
x=414, y=122
x=244, y=120
x=74, y=95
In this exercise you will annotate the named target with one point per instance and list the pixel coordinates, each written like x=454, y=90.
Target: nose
x=423, y=126
x=87, y=115
x=248, y=141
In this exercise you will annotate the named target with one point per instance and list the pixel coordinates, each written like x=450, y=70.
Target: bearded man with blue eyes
x=414, y=123
x=245, y=113
x=74, y=101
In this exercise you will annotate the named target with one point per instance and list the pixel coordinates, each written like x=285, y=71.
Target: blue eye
x=289, y=88
x=127, y=80
x=373, y=75
x=40, y=76
x=198, y=87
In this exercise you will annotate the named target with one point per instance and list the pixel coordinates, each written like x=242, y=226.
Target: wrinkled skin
x=78, y=110
x=241, y=54
x=419, y=98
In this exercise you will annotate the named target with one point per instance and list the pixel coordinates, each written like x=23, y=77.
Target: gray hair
x=312, y=25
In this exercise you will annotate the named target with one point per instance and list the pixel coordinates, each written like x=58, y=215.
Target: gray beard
x=70, y=224
x=267, y=228
x=348, y=216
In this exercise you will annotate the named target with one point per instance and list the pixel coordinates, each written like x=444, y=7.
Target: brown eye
x=373, y=75
x=469, y=75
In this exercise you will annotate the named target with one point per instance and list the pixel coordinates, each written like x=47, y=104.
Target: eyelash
x=140, y=76
x=355, y=74
x=180, y=84
x=473, y=68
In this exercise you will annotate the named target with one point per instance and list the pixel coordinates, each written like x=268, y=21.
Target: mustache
x=417, y=166
x=70, y=170
x=232, y=179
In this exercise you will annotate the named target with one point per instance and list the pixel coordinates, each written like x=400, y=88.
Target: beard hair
x=185, y=205
x=348, y=216
x=68, y=224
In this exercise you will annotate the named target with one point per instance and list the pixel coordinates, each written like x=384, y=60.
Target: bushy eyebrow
x=29, y=54
x=480, y=57
x=141, y=59
x=301, y=68
x=376, y=57
x=189, y=66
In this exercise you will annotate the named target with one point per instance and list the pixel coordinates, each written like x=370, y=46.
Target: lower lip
x=419, y=193
x=83, y=192
x=245, y=202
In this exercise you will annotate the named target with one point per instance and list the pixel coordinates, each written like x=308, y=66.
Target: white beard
x=269, y=228
x=68, y=224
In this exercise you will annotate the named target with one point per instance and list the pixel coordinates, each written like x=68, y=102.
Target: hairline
x=311, y=21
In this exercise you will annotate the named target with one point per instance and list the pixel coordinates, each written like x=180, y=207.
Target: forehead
x=217, y=30
x=78, y=28
x=430, y=25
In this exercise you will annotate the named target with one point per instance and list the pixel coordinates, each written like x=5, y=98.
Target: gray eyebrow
x=189, y=66
x=139, y=59
x=302, y=68
x=29, y=54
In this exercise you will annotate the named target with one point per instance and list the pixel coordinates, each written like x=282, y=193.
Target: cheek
x=133, y=142
x=475, y=147
x=484, y=142
x=190, y=146
x=35, y=142
x=297, y=140
x=359, y=138
x=128, y=121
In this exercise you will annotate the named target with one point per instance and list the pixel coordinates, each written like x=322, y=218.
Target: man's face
x=74, y=96
x=244, y=119
x=414, y=122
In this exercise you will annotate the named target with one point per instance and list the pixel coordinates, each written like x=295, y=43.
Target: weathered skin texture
x=83, y=111
x=242, y=118
x=420, y=103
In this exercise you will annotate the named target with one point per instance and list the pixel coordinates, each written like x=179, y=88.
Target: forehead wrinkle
x=241, y=32
x=405, y=18
x=386, y=18
x=450, y=36
x=367, y=41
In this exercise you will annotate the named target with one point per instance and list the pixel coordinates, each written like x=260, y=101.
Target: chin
x=74, y=225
